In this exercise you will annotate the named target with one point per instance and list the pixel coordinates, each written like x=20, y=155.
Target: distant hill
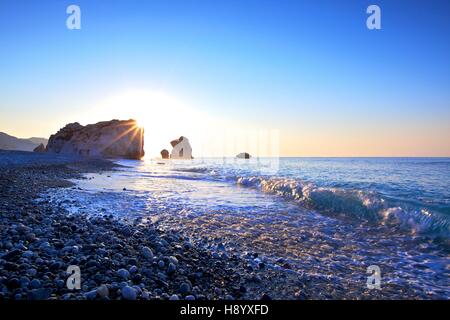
x=8, y=142
x=38, y=141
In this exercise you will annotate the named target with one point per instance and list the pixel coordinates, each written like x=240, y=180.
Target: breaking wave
x=362, y=205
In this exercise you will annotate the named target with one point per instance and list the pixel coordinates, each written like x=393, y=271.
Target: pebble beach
x=117, y=261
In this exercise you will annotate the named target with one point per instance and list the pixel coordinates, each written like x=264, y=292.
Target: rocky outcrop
x=107, y=139
x=39, y=148
x=164, y=154
x=181, y=149
x=243, y=155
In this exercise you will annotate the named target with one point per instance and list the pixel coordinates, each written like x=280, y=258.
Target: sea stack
x=181, y=149
x=164, y=154
x=107, y=139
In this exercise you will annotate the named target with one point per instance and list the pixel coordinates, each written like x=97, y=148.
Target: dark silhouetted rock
x=107, y=139
x=243, y=155
x=164, y=154
x=39, y=148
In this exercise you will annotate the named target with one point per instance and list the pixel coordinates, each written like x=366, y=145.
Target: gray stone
x=147, y=253
x=128, y=293
x=91, y=295
x=172, y=268
x=123, y=273
x=185, y=288
x=103, y=291
x=35, y=283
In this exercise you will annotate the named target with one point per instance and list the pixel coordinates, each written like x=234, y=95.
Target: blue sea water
x=327, y=217
x=413, y=192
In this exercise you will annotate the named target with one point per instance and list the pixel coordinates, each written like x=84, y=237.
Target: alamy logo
x=374, y=20
x=74, y=280
x=73, y=21
x=374, y=280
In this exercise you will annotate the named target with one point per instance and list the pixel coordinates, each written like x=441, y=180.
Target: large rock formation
x=107, y=139
x=181, y=149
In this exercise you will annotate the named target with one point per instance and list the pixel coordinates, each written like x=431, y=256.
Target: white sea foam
x=353, y=203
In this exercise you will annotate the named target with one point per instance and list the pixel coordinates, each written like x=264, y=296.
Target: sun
x=162, y=116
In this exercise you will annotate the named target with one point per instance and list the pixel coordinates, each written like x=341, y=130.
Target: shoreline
x=39, y=242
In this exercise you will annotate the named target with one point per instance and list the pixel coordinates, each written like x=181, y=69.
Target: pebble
x=147, y=253
x=128, y=293
x=187, y=245
x=174, y=297
x=185, y=288
x=35, y=283
x=123, y=273
x=91, y=295
x=28, y=254
x=31, y=272
x=171, y=269
x=145, y=295
x=133, y=269
x=60, y=283
x=265, y=296
x=103, y=291
x=173, y=260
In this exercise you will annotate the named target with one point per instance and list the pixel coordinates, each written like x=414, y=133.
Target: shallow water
x=328, y=218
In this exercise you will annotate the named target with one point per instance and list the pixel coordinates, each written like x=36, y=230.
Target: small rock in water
x=190, y=297
x=128, y=293
x=174, y=297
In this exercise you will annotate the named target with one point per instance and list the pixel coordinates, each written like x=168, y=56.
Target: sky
x=309, y=74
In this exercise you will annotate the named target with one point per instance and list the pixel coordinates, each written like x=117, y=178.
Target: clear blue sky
x=295, y=65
